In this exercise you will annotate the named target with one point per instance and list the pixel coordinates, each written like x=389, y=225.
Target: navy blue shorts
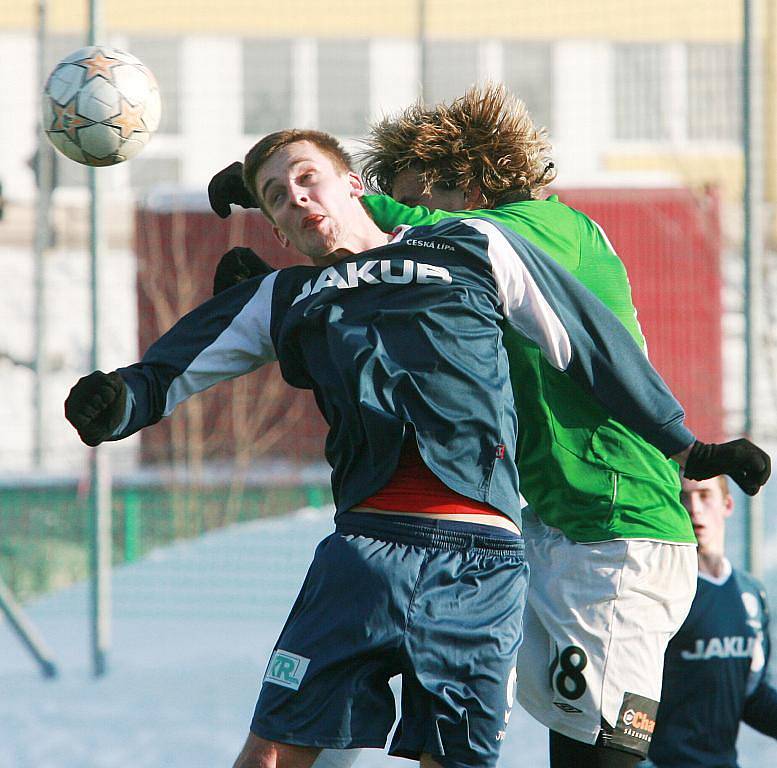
x=439, y=603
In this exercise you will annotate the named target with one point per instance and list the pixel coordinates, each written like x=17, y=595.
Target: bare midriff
x=414, y=490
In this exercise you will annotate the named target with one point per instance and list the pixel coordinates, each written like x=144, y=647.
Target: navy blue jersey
x=715, y=676
x=406, y=338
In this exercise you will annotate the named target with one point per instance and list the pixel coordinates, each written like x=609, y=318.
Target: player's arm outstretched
x=580, y=336
x=225, y=337
x=744, y=462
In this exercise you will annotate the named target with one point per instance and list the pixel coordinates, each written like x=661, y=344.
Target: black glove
x=227, y=187
x=95, y=406
x=745, y=463
x=236, y=265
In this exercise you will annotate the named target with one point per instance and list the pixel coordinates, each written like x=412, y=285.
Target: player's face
x=408, y=188
x=312, y=201
x=708, y=507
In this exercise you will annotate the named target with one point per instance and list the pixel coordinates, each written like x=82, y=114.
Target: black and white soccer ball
x=100, y=106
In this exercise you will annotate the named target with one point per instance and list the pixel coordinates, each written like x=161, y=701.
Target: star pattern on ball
x=66, y=119
x=128, y=120
x=102, y=162
x=98, y=65
x=148, y=73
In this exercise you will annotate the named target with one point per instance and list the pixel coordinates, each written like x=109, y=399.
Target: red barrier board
x=669, y=239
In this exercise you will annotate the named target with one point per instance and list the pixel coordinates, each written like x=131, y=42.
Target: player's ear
x=474, y=198
x=356, y=184
x=280, y=237
x=728, y=505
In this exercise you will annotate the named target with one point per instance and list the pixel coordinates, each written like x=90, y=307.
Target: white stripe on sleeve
x=523, y=303
x=243, y=346
x=129, y=406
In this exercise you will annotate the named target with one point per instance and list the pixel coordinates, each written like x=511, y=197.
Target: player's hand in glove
x=236, y=265
x=227, y=187
x=744, y=462
x=95, y=406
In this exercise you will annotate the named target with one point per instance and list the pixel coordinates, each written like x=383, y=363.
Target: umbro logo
x=568, y=708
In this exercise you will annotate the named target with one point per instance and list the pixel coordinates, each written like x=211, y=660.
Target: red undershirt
x=415, y=488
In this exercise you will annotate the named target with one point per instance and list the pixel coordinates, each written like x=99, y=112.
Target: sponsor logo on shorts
x=512, y=684
x=636, y=723
x=568, y=708
x=286, y=669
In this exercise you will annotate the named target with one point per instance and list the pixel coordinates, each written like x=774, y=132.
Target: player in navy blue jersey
x=483, y=149
x=399, y=337
x=715, y=668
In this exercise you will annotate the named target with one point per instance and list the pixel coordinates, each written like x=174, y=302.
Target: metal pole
x=8, y=605
x=26, y=632
x=100, y=486
x=45, y=168
x=423, y=53
x=753, y=258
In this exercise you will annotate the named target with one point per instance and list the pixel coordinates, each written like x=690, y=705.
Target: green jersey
x=581, y=471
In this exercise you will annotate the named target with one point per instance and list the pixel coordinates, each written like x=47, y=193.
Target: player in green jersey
x=483, y=151
x=614, y=570
x=609, y=544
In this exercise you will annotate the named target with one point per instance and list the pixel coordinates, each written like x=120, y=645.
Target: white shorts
x=597, y=623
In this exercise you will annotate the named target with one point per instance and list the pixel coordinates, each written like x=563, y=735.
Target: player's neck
x=362, y=235
x=712, y=562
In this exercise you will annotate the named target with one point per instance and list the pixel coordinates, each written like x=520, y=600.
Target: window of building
x=640, y=76
x=528, y=74
x=451, y=68
x=344, y=86
x=267, y=79
x=714, y=81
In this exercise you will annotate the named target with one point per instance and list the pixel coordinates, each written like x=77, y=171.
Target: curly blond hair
x=485, y=137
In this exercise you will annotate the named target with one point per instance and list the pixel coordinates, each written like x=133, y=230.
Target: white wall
x=66, y=350
x=20, y=114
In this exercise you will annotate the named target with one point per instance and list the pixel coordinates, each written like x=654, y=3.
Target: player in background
x=715, y=669
x=399, y=338
x=599, y=615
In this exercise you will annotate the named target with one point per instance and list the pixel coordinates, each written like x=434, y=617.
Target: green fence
x=44, y=530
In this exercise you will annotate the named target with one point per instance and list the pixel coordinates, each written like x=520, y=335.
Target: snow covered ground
x=193, y=626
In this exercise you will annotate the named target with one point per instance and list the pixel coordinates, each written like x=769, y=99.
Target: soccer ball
x=100, y=106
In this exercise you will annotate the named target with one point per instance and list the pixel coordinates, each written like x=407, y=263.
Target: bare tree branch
x=241, y=421
x=30, y=364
